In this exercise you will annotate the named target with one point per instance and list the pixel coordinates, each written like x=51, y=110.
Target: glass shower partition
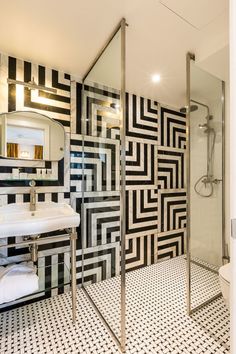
x=103, y=195
x=205, y=222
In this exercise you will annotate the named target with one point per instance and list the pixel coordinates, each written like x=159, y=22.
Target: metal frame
x=122, y=341
x=190, y=311
x=189, y=57
x=46, y=117
x=31, y=85
x=70, y=235
x=225, y=255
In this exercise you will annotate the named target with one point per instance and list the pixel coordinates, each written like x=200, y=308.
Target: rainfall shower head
x=193, y=108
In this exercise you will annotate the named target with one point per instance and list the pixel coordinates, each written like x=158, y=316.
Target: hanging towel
x=17, y=280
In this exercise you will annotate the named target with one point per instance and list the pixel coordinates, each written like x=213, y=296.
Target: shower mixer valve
x=210, y=179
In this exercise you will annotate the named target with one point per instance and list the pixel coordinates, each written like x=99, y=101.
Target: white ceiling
x=67, y=35
x=24, y=135
x=198, y=13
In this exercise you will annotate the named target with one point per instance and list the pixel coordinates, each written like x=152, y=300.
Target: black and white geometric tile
x=154, y=165
x=172, y=207
x=97, y=159
x=172, y=128
x=57, y=106
x=141, y=164
x=141, y=211
x=17, y=97
x=171, y=168
x=101, y=116
x=171, y=184
x=142, y=118
x=171, y=244
x=156, y=318
x=141, y=250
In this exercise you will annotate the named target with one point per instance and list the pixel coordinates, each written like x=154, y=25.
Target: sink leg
x=73, y=238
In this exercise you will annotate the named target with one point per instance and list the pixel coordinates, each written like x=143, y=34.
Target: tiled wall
x=155, y=194
x=171, y=184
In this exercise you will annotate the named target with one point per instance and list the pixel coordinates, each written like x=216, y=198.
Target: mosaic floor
x=156, y=317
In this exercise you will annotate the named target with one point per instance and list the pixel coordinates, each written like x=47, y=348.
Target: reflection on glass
x=102, y=181
x=26, y=143
x=205, y=183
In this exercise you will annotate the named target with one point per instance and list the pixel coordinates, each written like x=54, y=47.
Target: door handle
x=233, y=228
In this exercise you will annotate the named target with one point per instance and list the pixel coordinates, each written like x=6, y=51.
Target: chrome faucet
x=32, y=195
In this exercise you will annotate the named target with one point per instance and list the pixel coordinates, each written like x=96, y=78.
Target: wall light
x=31, y=85
x=156, y=78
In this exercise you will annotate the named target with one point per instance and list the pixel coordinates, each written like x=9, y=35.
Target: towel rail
x=40, y=241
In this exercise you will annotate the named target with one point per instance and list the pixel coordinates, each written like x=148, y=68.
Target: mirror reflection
x=31, y=136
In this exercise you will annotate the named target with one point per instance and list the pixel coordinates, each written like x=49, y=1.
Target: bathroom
x=116, y=140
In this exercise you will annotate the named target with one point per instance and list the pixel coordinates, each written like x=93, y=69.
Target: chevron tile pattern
x=141, y=164
x=100, y=163
x=171, y=244
x=102, y=116
x=173, y=128
x=172, y=207
x=142, y=118
x=171, y=184
x=141, y=211
x=141, y=250
x=17, y=97
x=171, y=168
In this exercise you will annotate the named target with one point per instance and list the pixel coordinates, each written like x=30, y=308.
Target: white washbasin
x=18, y=220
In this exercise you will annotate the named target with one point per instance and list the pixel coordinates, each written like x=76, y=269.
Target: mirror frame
x=44, y=115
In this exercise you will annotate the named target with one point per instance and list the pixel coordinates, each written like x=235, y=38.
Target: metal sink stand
x=70, y=235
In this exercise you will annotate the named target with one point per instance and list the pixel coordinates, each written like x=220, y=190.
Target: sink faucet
x=32, y=195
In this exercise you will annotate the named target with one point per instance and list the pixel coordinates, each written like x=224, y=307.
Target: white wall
x=233, y=166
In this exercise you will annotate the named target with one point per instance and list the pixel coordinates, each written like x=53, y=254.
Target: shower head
x=206, y=127
x=193, y=108
x=203, y=126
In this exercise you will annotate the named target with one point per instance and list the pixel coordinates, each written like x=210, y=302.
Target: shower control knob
x=32, y=183
x=217, y=181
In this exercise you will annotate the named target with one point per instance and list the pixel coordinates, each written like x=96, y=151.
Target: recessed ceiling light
x=156, y=78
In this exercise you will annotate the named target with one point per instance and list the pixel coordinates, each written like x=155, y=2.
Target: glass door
x=205, y=185
x=102, y=209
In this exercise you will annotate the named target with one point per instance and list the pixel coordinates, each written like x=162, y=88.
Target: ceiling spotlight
x=156, y=78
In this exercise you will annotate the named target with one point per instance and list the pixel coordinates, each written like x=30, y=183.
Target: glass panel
x=205, y=183
x=101, y=183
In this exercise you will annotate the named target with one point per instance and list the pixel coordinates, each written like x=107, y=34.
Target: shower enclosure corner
x=103, y=184
x=206, y=243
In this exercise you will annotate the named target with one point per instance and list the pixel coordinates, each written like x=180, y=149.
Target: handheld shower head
x=203, y=126
x=193, y=108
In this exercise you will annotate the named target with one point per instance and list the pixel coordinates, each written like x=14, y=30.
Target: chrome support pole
x=73, y=238
x=123, y=187
x=225, y=256
x=189, y=57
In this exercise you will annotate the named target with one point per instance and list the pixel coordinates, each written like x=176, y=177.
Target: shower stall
x=100, y=153
x=206, y=241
